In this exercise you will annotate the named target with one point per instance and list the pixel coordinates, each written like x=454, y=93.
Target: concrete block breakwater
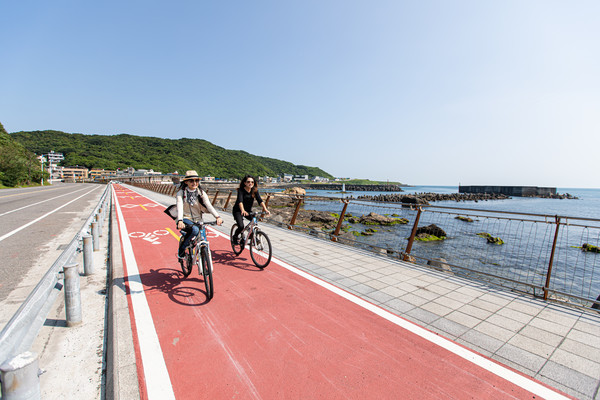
x=352, y=188
x=425, y=198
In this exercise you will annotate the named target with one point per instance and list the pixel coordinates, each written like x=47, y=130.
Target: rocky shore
x=426, y=198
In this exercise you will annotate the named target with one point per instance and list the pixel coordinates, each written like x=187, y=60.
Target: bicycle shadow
x=243, y=261
x=172, y=283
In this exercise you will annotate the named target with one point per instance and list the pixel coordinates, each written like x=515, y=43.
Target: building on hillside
x=74, y=174
x=298, y=178
x=320, y=179
x=54, y=159
x=208, y=179
x=288, y=177
x=99, y=174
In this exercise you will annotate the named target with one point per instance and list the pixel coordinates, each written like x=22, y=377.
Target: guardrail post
x=228, y=198
x=267, y=200
x=88, y=259
x=340, y=221
x=413, y=233
x=293, y=221
x=548, y=275
x=72, y=295
x=215, y=198
x=99, y=221
x=95, y=236
x=20, y=377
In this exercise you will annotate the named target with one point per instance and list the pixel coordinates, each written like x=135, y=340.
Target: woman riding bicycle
x=246, y=194
x=192, y=202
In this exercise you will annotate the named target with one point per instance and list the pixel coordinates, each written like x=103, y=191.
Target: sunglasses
x=194, y=180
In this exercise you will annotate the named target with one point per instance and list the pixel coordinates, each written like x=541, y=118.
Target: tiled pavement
x=555, y=344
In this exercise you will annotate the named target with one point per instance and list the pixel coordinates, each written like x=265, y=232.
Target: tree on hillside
x=164, y=155
x=18, y=166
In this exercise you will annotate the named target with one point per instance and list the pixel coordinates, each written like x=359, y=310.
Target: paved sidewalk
x=557, y=345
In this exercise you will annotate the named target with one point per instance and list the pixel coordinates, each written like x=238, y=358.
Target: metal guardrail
x=21, y=330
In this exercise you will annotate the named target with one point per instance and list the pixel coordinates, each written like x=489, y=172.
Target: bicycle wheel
x=260, y=249
x=187, y=263
x=207, y=272
x=237, y=248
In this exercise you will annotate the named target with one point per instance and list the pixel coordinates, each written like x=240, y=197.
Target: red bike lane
x=280, y=333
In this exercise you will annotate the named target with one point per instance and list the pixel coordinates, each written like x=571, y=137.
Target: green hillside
x=18, y=166
x=164, y=155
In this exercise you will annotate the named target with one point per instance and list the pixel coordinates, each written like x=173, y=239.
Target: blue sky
x=422, y=92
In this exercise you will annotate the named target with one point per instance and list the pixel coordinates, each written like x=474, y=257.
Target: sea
x=587, y=204
x=525, y=255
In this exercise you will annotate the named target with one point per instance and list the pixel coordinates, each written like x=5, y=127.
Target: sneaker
x=236, y=241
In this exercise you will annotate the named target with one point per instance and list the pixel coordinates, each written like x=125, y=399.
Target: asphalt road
x=35, y=225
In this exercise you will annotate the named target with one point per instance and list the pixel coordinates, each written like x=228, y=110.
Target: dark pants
x=239, y=220
x=190, y=231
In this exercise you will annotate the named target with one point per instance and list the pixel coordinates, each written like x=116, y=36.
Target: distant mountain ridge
x=164, y=155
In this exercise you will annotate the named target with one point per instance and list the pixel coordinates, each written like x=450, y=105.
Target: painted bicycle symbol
x=152, y=237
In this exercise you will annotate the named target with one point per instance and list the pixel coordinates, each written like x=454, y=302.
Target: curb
x=121, y=371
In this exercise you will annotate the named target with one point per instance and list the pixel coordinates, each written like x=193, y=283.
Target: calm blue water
x=525, y=255
x=586, y=206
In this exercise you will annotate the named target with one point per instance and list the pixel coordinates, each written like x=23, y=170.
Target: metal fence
x=18, y=365
x=547, y=256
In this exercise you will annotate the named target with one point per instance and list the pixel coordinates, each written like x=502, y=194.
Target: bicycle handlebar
x=200, y=223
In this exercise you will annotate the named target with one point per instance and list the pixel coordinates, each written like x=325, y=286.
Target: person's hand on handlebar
x=180, y=225
x=219, y=221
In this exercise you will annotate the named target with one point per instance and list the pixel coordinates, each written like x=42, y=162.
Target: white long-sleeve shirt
x=194, y=213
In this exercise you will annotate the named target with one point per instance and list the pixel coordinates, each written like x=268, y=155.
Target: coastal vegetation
x=490, y=239
x=164, y=155
x=590, y=248
x=18, y=165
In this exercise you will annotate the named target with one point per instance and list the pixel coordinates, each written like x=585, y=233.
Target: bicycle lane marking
x=257, y=346
x=153, y=374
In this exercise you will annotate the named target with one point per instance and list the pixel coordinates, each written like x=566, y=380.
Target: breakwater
x=520, y=191
x=425, y=198
x=351, y=187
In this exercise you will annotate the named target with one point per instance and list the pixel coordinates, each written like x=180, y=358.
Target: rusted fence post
x=340, y=221
x=267, y=200
x=293, y=221
x=215, y=198
x=411, y=240
x=227, y=202
x=549, y=274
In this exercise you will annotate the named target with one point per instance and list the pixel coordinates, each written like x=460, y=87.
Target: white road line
x=487, y=364
x=39, y=202
x=156, y=375
x=42, y=217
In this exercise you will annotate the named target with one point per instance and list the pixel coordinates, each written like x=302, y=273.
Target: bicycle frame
x=196, y=245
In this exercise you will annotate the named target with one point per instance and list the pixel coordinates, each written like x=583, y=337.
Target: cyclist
x=192, y=202
x=246, y=194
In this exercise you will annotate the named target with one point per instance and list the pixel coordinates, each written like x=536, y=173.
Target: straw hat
x=191, y=174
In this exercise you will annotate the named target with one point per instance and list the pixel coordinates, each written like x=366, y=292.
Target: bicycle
x=258, y=242
x=199, y=250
